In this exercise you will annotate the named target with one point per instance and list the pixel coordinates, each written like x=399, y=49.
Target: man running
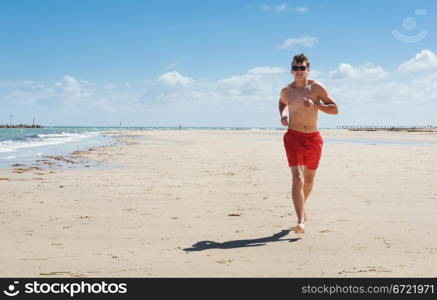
x=302, y=141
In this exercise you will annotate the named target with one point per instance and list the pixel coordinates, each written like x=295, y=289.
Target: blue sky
x=201, y=62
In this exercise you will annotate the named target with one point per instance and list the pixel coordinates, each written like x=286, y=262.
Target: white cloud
x=424, y=60
x=369, y=95
x=301, y=10
x=305, y=41
x=267, y=70
x=257, y=85
x=366, y=94
x=366, y=71
x=171, y=66
x=71, y=85
x=284, y=8
x=175, y=78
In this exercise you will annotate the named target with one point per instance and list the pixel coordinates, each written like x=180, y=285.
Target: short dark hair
x=300, y=59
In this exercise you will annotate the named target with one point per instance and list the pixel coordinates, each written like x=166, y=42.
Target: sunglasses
x=299, y=68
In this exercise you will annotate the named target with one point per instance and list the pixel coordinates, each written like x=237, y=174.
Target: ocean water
x=27, y=145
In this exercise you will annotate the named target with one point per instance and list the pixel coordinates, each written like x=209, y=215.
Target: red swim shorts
x=303, y=148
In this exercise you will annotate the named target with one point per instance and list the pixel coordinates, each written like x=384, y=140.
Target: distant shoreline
x=349, y=128
x=20, y=126
x=395, y=129
x=428, y=128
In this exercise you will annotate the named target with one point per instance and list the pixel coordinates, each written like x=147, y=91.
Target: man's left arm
x=328, y=106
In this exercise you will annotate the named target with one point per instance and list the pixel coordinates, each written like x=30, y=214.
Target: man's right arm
x=282, y=102
x=282, y=105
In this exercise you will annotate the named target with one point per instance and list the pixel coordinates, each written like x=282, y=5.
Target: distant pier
x=20, y=126
x=428, y=128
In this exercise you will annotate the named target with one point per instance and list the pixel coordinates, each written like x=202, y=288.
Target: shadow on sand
x=205, y=245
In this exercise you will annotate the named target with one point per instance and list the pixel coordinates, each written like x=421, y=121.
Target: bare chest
x=295, y=96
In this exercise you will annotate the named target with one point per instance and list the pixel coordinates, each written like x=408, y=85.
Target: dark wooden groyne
x=428, y=128
x=20, y=126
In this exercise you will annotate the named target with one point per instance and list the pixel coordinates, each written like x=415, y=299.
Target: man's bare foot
x=300, y=228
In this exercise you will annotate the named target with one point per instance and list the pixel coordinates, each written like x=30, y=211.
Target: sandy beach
x=216, y=203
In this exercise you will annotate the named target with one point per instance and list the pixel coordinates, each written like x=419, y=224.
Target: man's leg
x=308, y=176
x=297, y=192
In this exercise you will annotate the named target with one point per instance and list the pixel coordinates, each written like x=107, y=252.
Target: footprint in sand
x=359, y=247
x=62, y=273
x=388, y=243
x=224, y=261
x=366, y=269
